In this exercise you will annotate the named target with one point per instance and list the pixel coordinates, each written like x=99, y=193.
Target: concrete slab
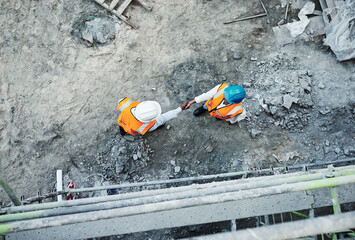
x=316, y=27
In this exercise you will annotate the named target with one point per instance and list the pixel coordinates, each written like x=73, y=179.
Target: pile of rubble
x=122, y=158
x=282, y=92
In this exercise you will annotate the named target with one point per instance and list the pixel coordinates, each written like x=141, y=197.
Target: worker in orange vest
x=139, y=118
x=222, y=102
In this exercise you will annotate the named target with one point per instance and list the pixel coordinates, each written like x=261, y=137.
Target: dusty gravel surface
x=59, y=94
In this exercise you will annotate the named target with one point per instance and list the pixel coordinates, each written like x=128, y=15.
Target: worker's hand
x=183, y=106
x=190, y=103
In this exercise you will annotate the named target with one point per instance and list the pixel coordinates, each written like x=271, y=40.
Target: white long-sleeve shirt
x=205, y=96
x=162, y=119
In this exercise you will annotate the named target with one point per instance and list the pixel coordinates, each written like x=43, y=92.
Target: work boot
x=199, y=111
x=122, y=131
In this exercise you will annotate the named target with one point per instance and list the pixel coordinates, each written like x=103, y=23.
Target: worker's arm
x=204, y=96
x=165, y=117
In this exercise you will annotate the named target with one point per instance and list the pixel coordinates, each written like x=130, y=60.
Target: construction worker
x=139, y=118
x=222, y=102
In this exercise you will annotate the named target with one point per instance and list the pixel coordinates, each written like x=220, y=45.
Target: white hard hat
x=147, y=111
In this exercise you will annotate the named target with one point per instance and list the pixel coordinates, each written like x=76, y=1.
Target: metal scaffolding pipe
x=175, y=204
x=227, y=187
x=169, y=181
x=9, y=192
x=198, y=192
x=200, y=178
x=290, y=230
x=304, y=176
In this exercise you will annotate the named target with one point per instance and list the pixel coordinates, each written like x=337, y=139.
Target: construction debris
x=101, y=30
x=340, y=30
x=118, y=8
x=251, y=17
x=296, y=28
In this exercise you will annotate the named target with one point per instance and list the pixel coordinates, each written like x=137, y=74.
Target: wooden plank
x=145, y=5
x=114, y=3
x=331, y=5
x=123, y=6
x=125, y=19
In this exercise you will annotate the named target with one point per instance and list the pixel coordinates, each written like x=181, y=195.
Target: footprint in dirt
x=192, y=78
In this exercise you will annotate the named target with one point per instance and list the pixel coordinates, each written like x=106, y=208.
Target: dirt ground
x=59, y=94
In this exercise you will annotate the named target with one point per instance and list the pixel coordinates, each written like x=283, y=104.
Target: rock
x=326, y=143
x=237, y=56
x=337, y=150
x=247, y=84
x=139, y=59
x=291, y=155
x=349, y=151
x=317, y=148
x=288, y=100
x=100, y=37
x=324, y=111
x=139, y=155
x=309, y=73
x=154, y=89
x=168, y=127
x=172, y=162
x=86, y=35
x=294, y=77
x=177, y=169
x=273, y=110
x=276, y=101
x=209, y=148
x=253, y=58
x=135, y=157
x=129, y=138
x=255, y=133
x=246, y=150
x=225, y=58
x=321, y=85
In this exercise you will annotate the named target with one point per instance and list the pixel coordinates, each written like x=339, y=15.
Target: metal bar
x=335, y=200
x=169, y=181
x=39, y=198
x=59, y=184
x=224, y=188
x=266, y=218
x=290, y=230
x=246, y=18
x=267, y=17
x=200, y=178
x=10, y=193
x=243, y=184
x=175, y=204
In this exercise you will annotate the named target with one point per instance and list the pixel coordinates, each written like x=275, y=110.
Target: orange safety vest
x=225, y=112
x=126, y=119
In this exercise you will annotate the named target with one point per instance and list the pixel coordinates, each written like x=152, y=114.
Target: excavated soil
x=59, y=94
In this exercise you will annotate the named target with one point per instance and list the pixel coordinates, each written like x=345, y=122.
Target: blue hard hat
x=234, y=94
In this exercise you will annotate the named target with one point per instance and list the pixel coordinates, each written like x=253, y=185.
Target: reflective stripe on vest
x=124, y=105
x=235, y=110
x=127, y=120
x=217, y=109
x=220, y=91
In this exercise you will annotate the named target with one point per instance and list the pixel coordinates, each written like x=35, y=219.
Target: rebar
x=246, y=18
x=10, y=193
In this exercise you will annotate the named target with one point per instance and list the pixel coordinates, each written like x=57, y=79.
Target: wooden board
x=123, y=6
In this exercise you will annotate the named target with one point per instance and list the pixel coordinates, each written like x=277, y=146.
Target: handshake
x=187, y=105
